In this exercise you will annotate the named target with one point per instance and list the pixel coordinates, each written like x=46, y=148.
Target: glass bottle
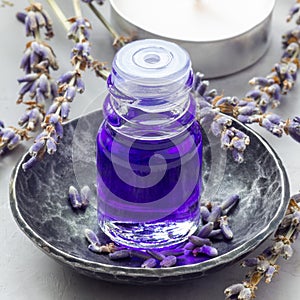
x=149, y=148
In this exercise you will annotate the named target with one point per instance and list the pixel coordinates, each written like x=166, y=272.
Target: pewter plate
x=40, y=206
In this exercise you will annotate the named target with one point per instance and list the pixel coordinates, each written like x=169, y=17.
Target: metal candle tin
x=214, y=58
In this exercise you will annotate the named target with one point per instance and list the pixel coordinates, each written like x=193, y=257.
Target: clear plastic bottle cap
x=146, y=68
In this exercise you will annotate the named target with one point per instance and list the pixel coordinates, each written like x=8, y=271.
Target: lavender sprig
x=36, y=85
x=265, y=265
x=267, y=93
x=69, y=84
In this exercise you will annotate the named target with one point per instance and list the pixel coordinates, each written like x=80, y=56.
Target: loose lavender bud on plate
x=231, y=201
x=119, y=254
x=139, y=254
x=91, y=236
x=208, y=250
x=168, y=261
x=227, y=232
x=204, y=212
x=215, y=214
x=175, y=252
x=85, y=194
x=197, y=241
x=189, y=246
x=206, y=230
x=95, y=248
x=74, y=197
x=149, y=263
x=156, y=254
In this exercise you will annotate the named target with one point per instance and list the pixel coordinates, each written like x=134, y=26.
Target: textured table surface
x=26, y=273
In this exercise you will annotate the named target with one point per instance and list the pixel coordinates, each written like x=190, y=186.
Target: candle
x=208, y=29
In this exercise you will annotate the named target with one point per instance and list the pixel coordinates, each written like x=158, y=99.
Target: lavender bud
x=65, y=110
x=65, y=78
x=237, y=156
x=262, y=266
x=59, y=130
x=53, y=108
x=70, y=93
x=271, y=271
x=29, y=163
x=21, y=16
x=287, y=251
x=37, y=147
x=227, y=232
x=44, y=85
x=277, y=248
x=95, y=248
x=234, y=289
x=245, y=294
x=175, y=252
x=250, y=262
x=85, y=193
x=189, y=246
x=202, y=87
x=261, y=81
x=204, y=212
x=293, y=10
x=91, y=236
x=168, y=261
x=74, y=197
x=2, y=124
x=51, y=146
x=216, y=128
x=197, y=241
x=215, y=233
x=207, y=250
x=14, y=142
x=139, y=254
x=231, y=201
x=119, y=254
x=215, y=214
x=239, y=144
x=80, y=85
x=24, y=118
x=25, y=88
x=157, y=255
x=28, y=78
x=149, y=263
x=206, y=230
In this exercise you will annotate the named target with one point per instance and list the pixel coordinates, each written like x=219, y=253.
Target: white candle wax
x=195, y=20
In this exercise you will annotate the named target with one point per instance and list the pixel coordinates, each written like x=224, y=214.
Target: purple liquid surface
x=148, y=189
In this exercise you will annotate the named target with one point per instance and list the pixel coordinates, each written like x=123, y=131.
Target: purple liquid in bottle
x=149, y=148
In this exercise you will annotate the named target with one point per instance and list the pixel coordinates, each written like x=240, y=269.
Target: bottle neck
x=149, y=90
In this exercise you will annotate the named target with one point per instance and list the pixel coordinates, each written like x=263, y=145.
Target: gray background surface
x=26, y=273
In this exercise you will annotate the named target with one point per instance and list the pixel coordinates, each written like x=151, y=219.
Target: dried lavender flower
x=149, y=263
x=168, y=261
x=159, y=256
x=91, y=237
x=198, y=241
x=206, y=230
x=74, y=197
x=119, y=254
x=85, y=194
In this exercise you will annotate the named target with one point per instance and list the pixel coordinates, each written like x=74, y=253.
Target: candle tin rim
x=221, y=57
